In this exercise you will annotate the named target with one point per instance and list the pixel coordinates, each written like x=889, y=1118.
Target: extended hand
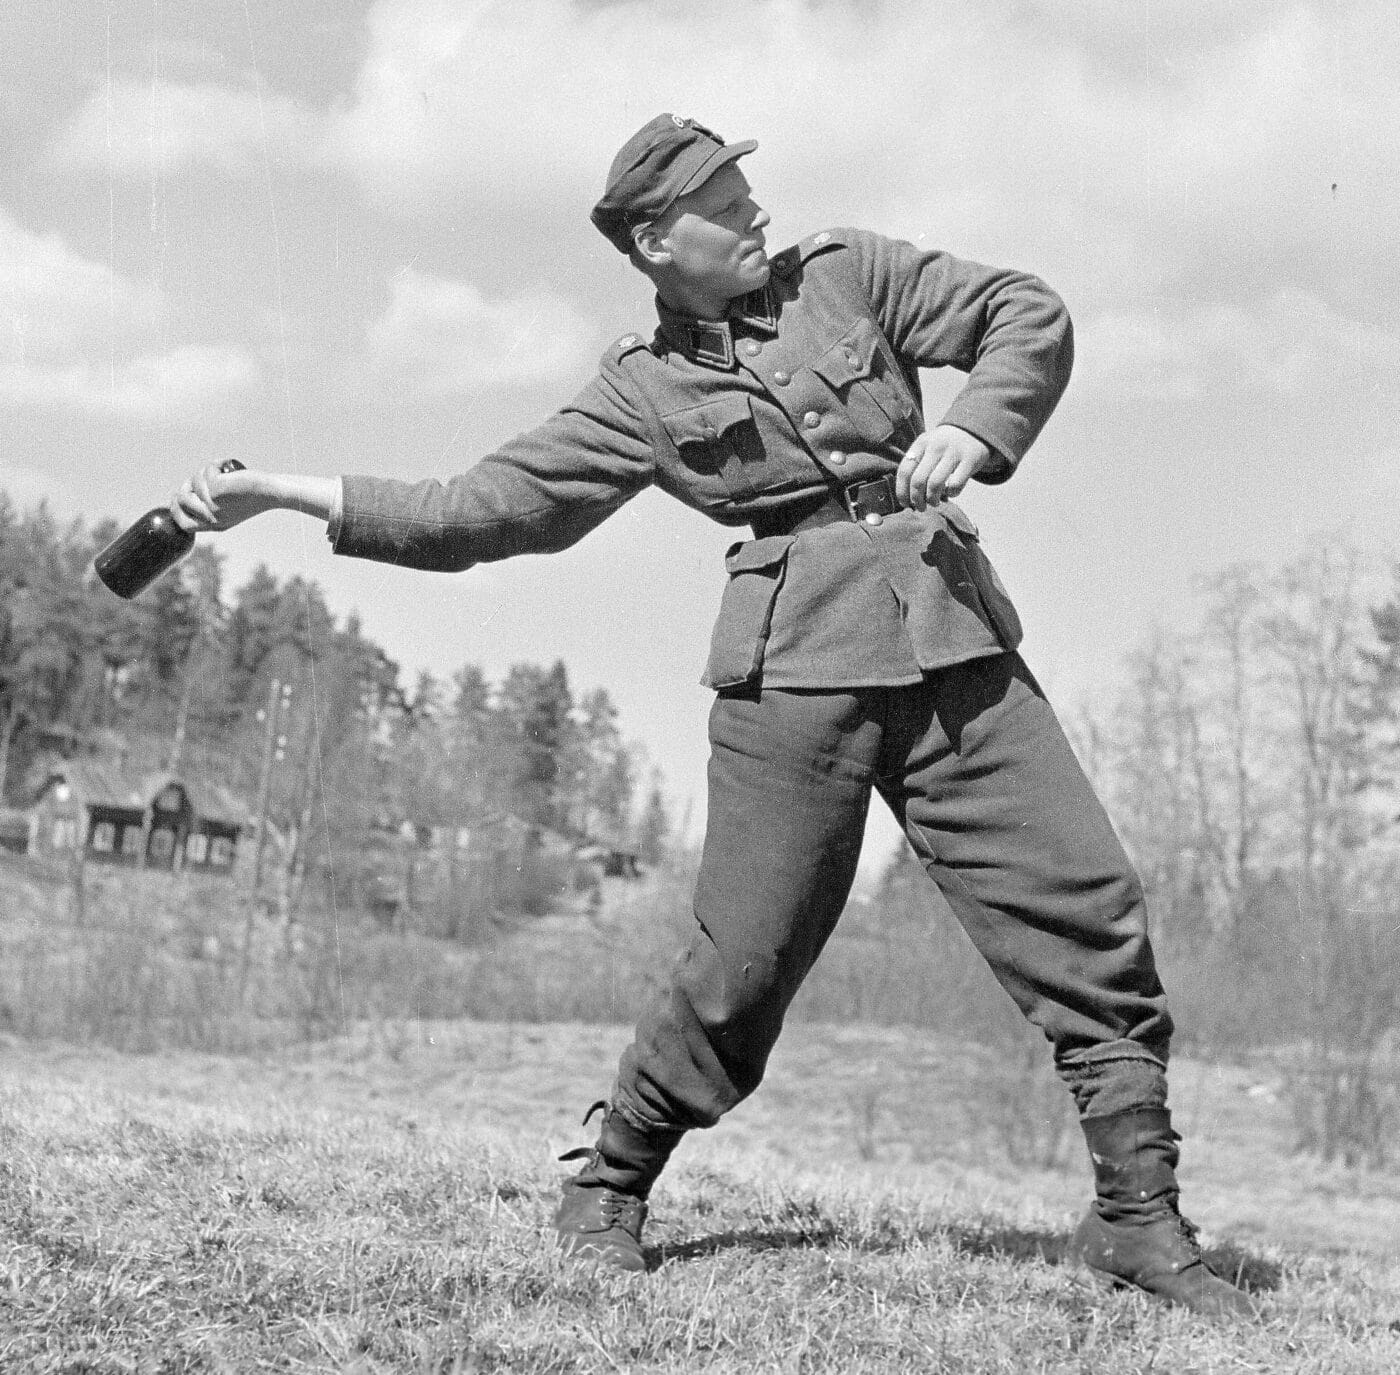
x=216, y=500
x=938, y=465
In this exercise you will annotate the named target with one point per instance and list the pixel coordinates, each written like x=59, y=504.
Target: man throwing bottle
x=864, y=644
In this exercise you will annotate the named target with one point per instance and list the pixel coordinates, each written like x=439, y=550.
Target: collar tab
x=758, y=310
x=710, y=341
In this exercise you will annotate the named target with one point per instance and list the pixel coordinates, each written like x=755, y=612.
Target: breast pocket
x=719, y=439
x=756, y=571
x=862, y=372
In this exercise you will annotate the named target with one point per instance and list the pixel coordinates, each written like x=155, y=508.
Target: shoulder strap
x=623, y=355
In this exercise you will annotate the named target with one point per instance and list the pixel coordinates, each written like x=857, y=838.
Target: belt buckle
x=871, y=501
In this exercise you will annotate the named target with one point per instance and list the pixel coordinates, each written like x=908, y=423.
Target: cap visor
x=731, y=152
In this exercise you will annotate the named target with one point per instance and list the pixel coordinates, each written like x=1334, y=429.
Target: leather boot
x=1134, y=1234
x=603, y=1207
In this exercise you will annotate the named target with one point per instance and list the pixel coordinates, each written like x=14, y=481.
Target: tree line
x=1251, y=762
x=261, y=688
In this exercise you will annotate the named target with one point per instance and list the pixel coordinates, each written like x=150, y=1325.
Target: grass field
x=381, y=1203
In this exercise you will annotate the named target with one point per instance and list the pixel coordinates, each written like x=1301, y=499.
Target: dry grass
x=381, y=1204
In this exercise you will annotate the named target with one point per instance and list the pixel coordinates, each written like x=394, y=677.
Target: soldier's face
x=714, y=237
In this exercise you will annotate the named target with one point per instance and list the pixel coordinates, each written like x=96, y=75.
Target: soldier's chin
x=758, y=269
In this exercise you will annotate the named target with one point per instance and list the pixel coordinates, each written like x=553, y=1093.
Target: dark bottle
x=142, y=552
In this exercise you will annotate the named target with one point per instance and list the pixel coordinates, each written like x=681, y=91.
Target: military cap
x=666, y=158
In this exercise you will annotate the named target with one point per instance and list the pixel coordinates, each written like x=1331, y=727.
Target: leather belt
x=868, y=501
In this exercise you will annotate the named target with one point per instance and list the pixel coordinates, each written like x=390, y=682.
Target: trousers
x=978, y=772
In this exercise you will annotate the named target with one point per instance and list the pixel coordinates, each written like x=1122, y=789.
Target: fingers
x=928, y=473
x=938, y=466
x=193, y=506
x=908, y=466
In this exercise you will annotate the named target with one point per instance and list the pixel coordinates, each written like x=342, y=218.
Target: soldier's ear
x=649, y=246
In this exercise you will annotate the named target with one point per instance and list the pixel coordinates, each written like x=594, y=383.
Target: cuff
x=337, y=514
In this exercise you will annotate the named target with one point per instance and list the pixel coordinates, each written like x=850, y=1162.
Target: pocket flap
x=958, y=519
x=705, y=424
x=851, y=357
x=757, y=553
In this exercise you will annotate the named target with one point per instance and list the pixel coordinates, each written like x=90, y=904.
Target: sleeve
x=539, y=493
x=337, y=511
x=1006, y=329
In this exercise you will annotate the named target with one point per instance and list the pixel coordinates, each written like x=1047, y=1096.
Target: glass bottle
x=146, y=549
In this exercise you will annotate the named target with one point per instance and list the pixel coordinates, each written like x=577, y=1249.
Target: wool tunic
x=808, y=386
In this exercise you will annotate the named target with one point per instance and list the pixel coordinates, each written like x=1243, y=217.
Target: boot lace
x=621, y=1210
x=1190, y=1233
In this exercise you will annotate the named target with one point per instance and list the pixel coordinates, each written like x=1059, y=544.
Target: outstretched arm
x=538, y=493
x=215, y=500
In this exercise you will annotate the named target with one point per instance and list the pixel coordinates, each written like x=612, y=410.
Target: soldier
x=863, y=644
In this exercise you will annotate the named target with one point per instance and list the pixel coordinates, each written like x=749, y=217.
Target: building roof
x=104, y=783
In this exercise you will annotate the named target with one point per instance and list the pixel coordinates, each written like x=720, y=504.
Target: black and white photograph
x=699, y=687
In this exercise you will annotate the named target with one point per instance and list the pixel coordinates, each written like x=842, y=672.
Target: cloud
x=159, y=128
x=52, y=300
x=183, y=384
x=1285, y=347
x=439, y=336
x=78, y=335
x=1125, y=150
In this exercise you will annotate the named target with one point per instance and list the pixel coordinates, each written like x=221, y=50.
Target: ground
x=381, y=1202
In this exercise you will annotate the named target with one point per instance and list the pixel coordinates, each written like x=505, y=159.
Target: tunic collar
x=712, y=341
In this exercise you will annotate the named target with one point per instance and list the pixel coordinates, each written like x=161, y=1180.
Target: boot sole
x=1084, y=1275
x=601, y=1257
x=1101, y=1283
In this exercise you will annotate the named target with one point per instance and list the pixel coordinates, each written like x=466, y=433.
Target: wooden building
x=153, y=821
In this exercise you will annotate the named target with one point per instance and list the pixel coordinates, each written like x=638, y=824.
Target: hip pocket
x=991, y=592
x=756, y=571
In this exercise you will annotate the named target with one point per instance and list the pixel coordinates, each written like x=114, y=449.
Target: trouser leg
x=789, y=790
x=997, y=807
x=978, y=771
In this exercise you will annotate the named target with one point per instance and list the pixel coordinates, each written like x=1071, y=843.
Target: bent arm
x=1007, y=330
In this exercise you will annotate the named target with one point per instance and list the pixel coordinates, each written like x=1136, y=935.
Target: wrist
x=313, y=496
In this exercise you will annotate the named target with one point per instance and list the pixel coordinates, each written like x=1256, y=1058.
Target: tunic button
x=752, y=346
x=836, y=456
x=811, y=420
x=874, y=518
x=782, y=378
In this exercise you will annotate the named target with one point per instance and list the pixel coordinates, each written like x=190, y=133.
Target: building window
x=104, y=837
x=65, y=833
x=162, y=844
x=131, y=840
x=221, y=851
x=197, y=847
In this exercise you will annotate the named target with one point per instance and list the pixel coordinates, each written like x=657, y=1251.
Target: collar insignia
x=712, y=341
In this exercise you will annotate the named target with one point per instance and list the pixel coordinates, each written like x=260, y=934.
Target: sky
x=354, y=237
